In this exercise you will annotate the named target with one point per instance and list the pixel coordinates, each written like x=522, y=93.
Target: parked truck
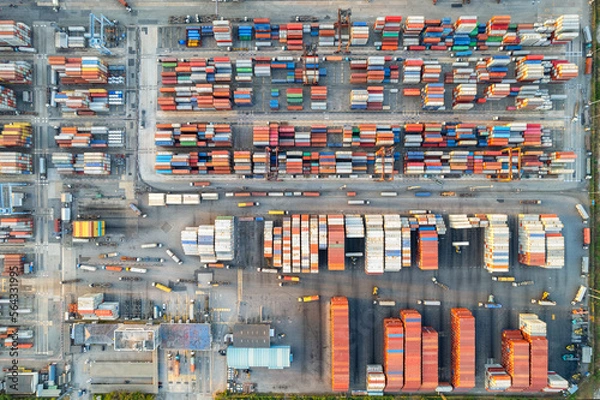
x=192, y=361
x=87, y=267
x=124, y=4
x=174, y=257
x=137, y=270
x=150, y=259
x=579, y=295
x=200, y=184
x=137, y=211
x=57, y=228
x=162, y=287
x=108, y=255
x=582, y=213
x=308, y=299
x=151, y=245
x=586, y=237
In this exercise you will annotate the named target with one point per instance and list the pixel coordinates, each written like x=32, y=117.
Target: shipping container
x=340, y=344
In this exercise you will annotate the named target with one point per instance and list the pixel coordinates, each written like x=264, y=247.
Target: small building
x=276, y=357
x=138, y=338
x=93, y=334
x=107, y=311
x=252, y=335
x=89, y=302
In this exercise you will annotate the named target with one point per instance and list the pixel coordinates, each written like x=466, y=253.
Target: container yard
x=393, y=201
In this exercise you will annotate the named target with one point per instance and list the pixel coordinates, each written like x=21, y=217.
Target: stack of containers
x=310, y=71
x=212, y=162
x=323, y=234
x=336, y=254
x=465, y=25
x=262, y=67
x=411, y=321
x=79, y=70
x=431, y=72
x=496, y=243
x=433, y=35
x=413, y=27
x=225, y=238
x=8, y=101
x=567, y=29
x=318, y=98
x=305, y=242
x=314, y=244
x=375, y=98
x=516, y=359
x=16, y=134
x=16, y=72
x=294, y=99
x=432, y=97
x=14, y=33
x=530, y=68
x=83, y=101
x=563, y=71
x=294, y=37
x=430, y=378
x=358, y=99
x=222, y=30
x=540, y=240
x=260, y=136
x=375, y=69
x=462, y=349
x=559, y=161
x=296, y=256
x=375, y=379
x=15, y=163
x=374, y=245
x=194, y=135
x=89, y=229
x=262, y=28
x=496, y=29
x=392, y=226
x=354, y=227
x=243, y=70
x=244, y=33
x=242, y=97
x=82, y=164
x=428, y=248
x=340, y=344
x=15, y=229
x=13, y=264
x=242, y=162
x=496, y=378
x=497, y=91
x=406, y=242
x=393, y=354
x=189, y=241
x=193, y=36
x=534, y=331
x=391, y=33
x=384, y=165
x=277, y=246
x=327, y=35
x=359, y=34
x=412, y=70
x=463, y=96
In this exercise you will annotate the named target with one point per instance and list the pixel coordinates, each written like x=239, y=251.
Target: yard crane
x=343, y=22
x=509, y=177
x=96, y=39
x=310, y=75
x=272, y=175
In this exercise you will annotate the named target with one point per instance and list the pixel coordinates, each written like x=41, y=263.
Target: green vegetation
x=126, y=396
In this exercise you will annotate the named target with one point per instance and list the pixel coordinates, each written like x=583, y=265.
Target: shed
x=276, y=357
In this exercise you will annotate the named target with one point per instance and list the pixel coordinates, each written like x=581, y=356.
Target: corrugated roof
x=277, y=357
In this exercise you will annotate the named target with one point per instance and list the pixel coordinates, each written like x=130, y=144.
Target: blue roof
x=185, y=336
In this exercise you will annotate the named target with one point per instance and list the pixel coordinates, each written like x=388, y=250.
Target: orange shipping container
x=340, y=344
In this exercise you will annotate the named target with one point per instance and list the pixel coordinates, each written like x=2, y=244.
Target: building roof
x=27, y=383
x=90, y=334
x=276, y=357
x=251, y=335
x=136, y=338
x=185, y=336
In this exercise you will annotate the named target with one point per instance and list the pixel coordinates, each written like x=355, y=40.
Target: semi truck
x=358, y=202
x=200, y=184
x=308, y=299
x=582, y=213
x=429, y=302
x=108, y=255
x=579, y=295
x=137, y=270
x=151, y=245
x=586, y=237
x=162, y=287
x=174, y=257
x=137, y=211
x=150, y=259
x=87, y=267
x=57, y=228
